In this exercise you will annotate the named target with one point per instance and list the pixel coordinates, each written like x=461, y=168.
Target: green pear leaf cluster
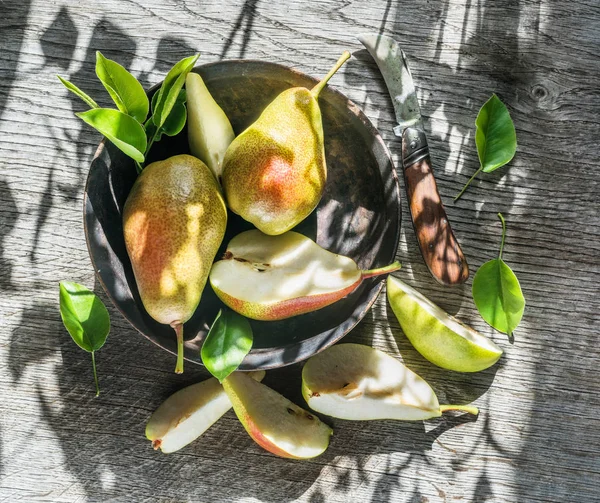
x=86, y=319
x=228, y=341
x=128, y=127
x=497, y=292
x=495, y=137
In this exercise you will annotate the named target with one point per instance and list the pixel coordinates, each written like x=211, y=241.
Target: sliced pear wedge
x=275, y=423
x=275, y=277
x=439, y=337
x=357, y=382
x=188, y=413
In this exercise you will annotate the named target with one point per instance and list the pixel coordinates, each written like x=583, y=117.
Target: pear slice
x=188, y=413
x=275, y=423
x=209, y=130
x=352, y=381
x=275, y=277
x=439, y=337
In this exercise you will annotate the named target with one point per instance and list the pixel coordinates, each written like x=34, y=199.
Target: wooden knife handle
x=439, y=247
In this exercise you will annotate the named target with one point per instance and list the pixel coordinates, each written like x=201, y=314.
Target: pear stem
x=178, y=327
x=382, y=270
x=319, y=87
x=471, y=409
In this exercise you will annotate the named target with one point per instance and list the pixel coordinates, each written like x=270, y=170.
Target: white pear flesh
x=357, y=382
x=188, y=413
x=274, y=422
x=437, y=336
x=209, y=129
x=262, y=275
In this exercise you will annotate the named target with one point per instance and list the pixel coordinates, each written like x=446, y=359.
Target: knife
x=439, y=247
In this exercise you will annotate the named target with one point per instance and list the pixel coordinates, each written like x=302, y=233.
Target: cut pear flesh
x=274, y=277
x=274, y=422
x=188, y=413
x=439, y=337
x=357, y=382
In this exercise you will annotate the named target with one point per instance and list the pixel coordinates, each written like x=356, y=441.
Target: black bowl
x=359, y=216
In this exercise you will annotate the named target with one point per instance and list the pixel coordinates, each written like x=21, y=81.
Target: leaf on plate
x=170, y=88
x=75, y=90
x=125, y=90
x=228, y=341
x=121, y=129
x=497, y=293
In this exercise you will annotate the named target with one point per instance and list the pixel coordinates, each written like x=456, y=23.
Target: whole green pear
x=274, y=172
x=173, y=223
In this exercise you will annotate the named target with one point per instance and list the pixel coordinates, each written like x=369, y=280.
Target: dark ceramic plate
x=359, y=216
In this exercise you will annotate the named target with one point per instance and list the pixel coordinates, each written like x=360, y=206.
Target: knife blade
x=439, y=247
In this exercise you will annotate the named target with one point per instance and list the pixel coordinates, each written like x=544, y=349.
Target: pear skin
x=173, y=222
x=274, y=172
x=271, y=278
x=209, y=130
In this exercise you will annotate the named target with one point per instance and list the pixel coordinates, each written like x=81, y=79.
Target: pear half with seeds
x=275, y=277
x=188, y=413
x=439, y=337
x=357, y=382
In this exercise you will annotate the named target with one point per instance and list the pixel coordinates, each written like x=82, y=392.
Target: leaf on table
x=170, y=88
x=84, y=316
x=121, y=129
x=125, y=90
x=78, y=92
x=228, y=341
x=496, y=137
x=497, y=293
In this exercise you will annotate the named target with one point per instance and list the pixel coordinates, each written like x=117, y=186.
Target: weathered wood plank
x=537, y=439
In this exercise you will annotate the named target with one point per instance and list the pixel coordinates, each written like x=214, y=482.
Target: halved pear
x=209, y=130
x=439, y=337
x=357, y=382
x=188, y=413
x=275, y=277
x=275, y=423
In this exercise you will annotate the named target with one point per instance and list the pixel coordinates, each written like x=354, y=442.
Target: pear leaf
x=496, y=137
x=78, y=92
x=228, y=341
x=125, y=90
x=121, y=129
x=170, y=88
x=86, y=319
x=176, y=119
x=497, y=293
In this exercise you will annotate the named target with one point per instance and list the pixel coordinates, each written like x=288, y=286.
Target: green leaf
x=75, y=90
x=124, y=131
x=170, y=88
x=497, y=293
x=125, y=90
x=228, y=341
x=176, y=120
x=496, y=138
x=84, y=316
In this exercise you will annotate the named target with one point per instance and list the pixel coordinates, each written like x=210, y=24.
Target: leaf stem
x=467, y=184
x=151, y=142
x=95, y=373
x=503, y=236
x=178, y=327
x=471, y=409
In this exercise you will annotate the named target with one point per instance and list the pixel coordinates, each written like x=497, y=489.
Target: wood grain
x=537, y=438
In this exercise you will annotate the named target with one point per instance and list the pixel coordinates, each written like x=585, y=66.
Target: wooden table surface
x=537, y=438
